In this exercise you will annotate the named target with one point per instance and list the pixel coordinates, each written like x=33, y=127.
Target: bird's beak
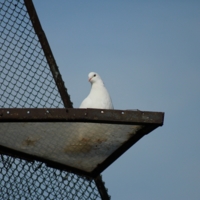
x=89, y=79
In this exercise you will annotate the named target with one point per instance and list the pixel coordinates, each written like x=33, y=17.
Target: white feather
x=98, y=96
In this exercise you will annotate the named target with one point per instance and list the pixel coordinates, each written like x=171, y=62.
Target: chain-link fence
x=24, y=180
x=27, y=80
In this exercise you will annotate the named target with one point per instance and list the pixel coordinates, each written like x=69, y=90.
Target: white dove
x=98, y=96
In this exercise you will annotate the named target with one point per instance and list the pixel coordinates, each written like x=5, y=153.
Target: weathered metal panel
x=80, y=145
x=84, y=140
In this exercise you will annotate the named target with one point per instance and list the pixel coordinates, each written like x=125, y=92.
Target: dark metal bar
x=116, y=154
x=81, y=115
x=101, y=187
x=48, y=53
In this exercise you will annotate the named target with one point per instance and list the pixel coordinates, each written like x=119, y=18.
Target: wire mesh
x=25, y=78
x=20, y=179
x=26, y=81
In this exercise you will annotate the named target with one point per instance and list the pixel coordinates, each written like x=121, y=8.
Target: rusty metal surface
x=85, y=141
x=82, y=146
x=48, y=53
x=82, y=115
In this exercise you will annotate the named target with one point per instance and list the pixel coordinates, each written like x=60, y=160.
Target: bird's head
x=93, y=77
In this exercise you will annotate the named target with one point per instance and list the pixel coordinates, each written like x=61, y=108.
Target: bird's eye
x=94, y=74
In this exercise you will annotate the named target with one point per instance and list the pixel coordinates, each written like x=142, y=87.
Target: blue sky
x=148, y=55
